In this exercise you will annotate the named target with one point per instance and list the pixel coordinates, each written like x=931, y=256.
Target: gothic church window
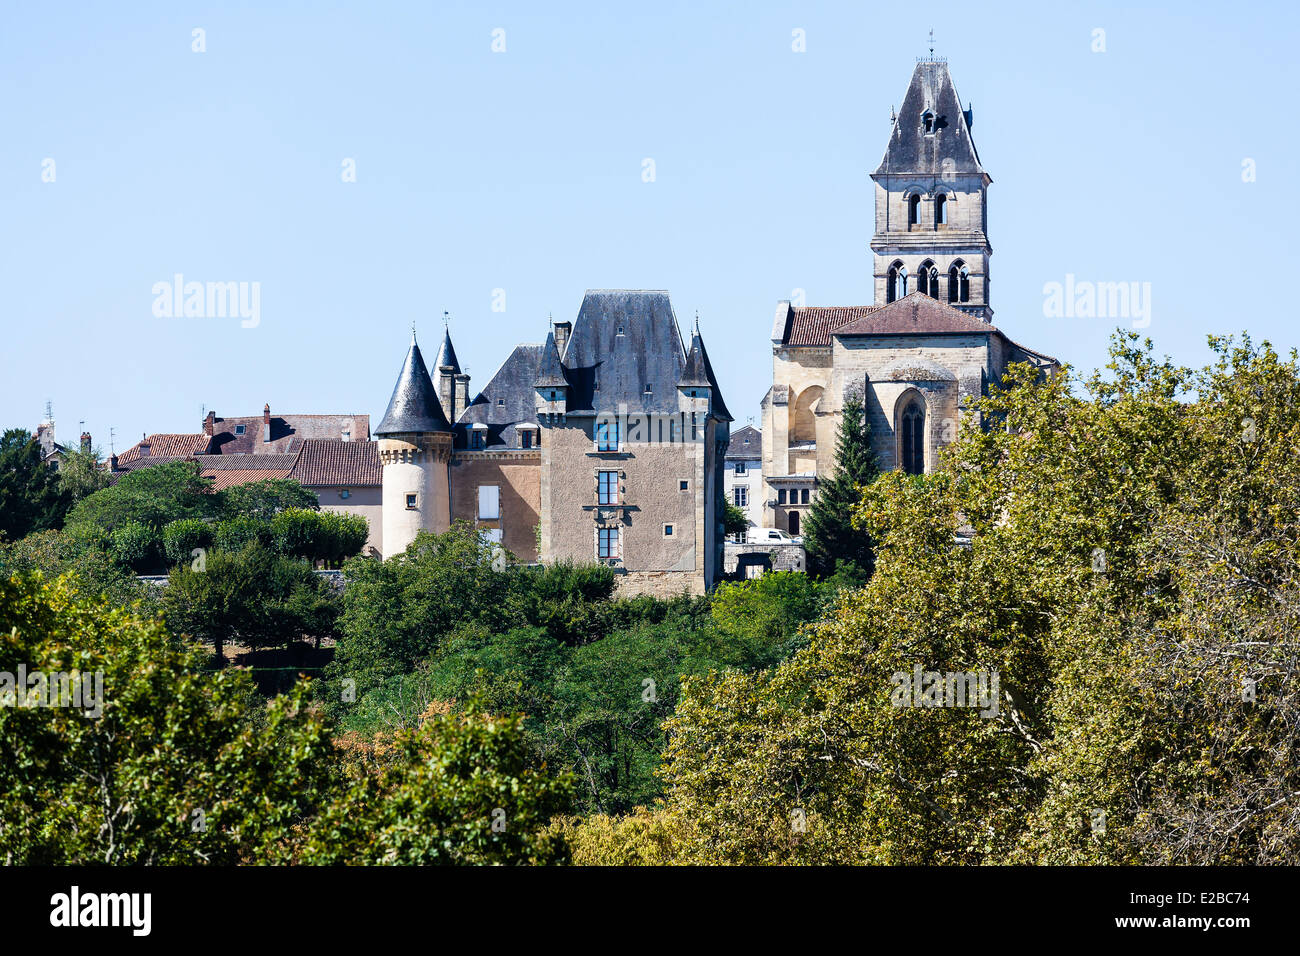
x=958, y=282
x=940, y=210
x=896, y=285
x=914, y=210
x=927, y=280
x=912, y=434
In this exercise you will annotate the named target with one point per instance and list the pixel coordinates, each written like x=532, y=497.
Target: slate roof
x=168, y=446
x=288, y=432
x=550, y=372
x=746, y=443
x=699, y=371
x=354, y=463
x=414, y=406
x=272, y=462
x=507, y=401
x=447, y=354
x=911, y=149
x=607, y=369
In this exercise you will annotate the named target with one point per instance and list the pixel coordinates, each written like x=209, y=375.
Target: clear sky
x=522, y=171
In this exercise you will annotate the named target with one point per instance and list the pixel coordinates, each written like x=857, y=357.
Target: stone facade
x=615, y=392
x=926, y=348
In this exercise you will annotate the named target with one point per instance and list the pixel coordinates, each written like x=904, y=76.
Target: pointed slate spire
x=447, y=355
x=414, y=406
x=699, y=373
x=550, y=373
x=931, y=134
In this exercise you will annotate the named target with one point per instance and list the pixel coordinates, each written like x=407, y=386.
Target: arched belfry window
x=940, y=210
x=896, y=282
x=914, y=210
x=911, y=434
x=927, y=280
x=958, y=282
x=927, y=121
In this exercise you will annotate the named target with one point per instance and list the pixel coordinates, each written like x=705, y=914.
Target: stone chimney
x=85, y=443
x=266, y=422
x=447, y=391
x=562, y=331
x=462, y=396
x=210, y=424
x=145, y=447
x=112, y=463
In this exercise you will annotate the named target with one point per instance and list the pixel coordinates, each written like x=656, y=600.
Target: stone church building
x=606, y=443
x=927, y=346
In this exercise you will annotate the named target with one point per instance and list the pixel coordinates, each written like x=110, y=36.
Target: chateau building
x=605, y=444
x=927, y=346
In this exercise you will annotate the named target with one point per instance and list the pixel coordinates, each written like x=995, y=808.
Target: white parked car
x=770, y=536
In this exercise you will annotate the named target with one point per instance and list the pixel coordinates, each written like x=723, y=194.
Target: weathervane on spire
x=932, y=43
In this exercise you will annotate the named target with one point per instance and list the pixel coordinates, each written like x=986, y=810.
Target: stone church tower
x=415, y=445
x=931, y=221
x=925, y=349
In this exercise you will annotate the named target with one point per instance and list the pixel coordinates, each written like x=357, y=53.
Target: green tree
x=179, y=766
x=81, y=475
x=264, y=499
x=829, y=535
x=152, y=496
x=398, y=611
x=1131, y=581
x=459, y=789
x=253, y=597
x=734, y=520
x=31, y=498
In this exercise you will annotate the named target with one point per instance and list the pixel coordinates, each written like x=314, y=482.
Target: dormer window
x=927, y=122
x=648, y=389
x=239, y=429
x=620, y=330
x=501, y=403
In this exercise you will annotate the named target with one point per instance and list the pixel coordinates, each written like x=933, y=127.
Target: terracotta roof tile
x=915, y=313
x=324, y=462
x=166, y=446
x=223, y=478
x=813, y=324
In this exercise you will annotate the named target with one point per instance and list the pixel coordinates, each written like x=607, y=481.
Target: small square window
x=239, y=429
x=741, y=468
x=684, y=485
x=648, y=389
x=410, y=502
x=501, y=403
x=668, y=531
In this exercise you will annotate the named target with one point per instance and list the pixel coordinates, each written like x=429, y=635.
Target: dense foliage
x=1132, y=580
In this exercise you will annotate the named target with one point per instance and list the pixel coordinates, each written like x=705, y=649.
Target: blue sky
x=522, y=171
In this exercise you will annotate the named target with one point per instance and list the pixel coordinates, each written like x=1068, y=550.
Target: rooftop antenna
x=931, y=43
x=49, y=411
x=112, y=434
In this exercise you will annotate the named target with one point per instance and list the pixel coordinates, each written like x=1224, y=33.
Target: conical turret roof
x=414, y=406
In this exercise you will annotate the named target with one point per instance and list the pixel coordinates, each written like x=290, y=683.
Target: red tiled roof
x=915, y=313
x=813, y=324
x=223, y=478
x=338, y=463
x=166, y=446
